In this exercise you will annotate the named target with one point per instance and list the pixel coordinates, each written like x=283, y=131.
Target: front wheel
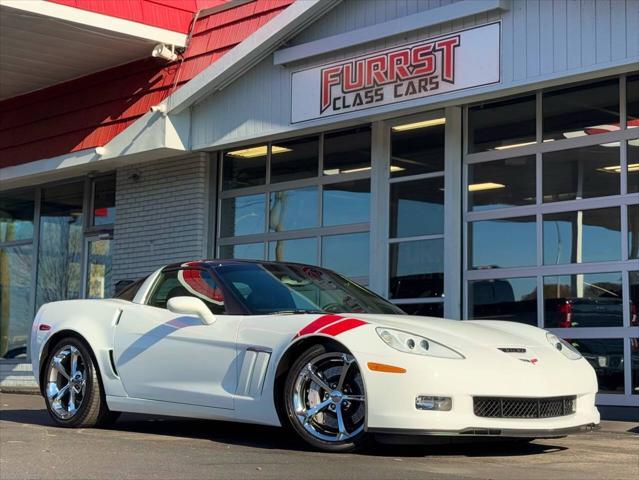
x=325, y=400
x=73, y=391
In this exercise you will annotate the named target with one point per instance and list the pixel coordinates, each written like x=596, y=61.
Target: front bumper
x=391, y=397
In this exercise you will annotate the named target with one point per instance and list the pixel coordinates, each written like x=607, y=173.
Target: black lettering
x=397, y=90
x=410, y=89
x=379, y=94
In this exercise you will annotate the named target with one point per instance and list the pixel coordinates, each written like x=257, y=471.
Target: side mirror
x=191, y=306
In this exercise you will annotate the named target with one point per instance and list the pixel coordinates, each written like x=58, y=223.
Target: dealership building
x=467, y=159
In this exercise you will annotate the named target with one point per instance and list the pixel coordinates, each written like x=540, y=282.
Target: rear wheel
x=73, y=391
x=325, y=400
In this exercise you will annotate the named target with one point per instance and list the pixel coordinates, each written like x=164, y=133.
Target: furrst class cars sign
x=448, y=63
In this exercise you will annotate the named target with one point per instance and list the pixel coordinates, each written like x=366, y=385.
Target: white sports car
x=295, y=345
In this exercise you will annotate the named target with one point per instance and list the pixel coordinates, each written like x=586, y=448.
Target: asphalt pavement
x=146, y=447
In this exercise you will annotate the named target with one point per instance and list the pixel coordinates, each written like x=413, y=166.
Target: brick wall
x=162, y=215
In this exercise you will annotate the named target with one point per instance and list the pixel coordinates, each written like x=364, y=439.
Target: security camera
x=165, y=52
x=159, y=108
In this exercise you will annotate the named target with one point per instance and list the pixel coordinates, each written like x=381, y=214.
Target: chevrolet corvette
x=300, y=346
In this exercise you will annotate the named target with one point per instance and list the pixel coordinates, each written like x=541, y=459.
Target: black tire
x=353, y=443
x=92, y=410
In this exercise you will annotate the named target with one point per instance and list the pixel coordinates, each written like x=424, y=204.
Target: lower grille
x=506, y=407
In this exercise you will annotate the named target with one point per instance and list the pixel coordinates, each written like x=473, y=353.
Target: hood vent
x=513, y=350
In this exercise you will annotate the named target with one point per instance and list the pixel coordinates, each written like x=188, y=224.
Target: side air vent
x=512, y=350
x=253, y=372
x=112, y=361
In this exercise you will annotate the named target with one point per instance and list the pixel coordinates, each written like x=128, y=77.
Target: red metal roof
x=173, y=15
x=90, y=111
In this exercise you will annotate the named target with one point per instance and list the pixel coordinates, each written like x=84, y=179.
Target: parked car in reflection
x=572, y=312
x=606, y=357
x=495, y=299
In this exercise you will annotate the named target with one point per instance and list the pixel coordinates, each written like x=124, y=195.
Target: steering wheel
x=333, y=308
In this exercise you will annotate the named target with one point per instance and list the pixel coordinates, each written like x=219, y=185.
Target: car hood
x=462, y=333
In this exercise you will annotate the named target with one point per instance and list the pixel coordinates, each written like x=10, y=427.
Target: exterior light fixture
x=165, y=52
x=478, y=187
x=632, y=167
x=514, y=145
x=416, y=125
x=100, y=151
x=258, y=151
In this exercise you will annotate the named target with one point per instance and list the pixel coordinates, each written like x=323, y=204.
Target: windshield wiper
x=295, y=312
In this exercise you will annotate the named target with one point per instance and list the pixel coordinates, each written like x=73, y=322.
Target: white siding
x=162, y=217
x=542, y=41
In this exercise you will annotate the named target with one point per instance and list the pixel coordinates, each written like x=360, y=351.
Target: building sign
x=452, y=62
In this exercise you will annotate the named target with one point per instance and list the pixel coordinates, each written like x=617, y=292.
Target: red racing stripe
x=318, y=323
x=343, y=326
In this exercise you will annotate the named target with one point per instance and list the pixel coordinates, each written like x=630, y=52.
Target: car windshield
x=276, y=288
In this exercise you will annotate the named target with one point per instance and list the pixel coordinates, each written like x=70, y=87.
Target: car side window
x=187, y=283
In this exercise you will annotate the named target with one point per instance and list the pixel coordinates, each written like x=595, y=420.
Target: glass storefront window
x=294, y=159
x=634, y=365
x=61, y=237
x=104, y=201
x=347, y=254
x=577, y=111
x=511, y=299
x=634, y=299
x=632, y=101
x=501, y=183
x=244, y=167
x=293, y=209
x=417, y=148
x=581, y=173
x=583, y=300
x=417, y=208
x=16, y=216
x=16, y=314
x=99, y=269
x=424, y=309
x=502, y=125
x=417, y=269
x=299, y=250
x=242, y=215
x=633, y=164
x=347, y=151
x=633, y=231
x=606, y=357
x=503, y=243
x=245, y=251
x=583, y=236
x=346, y=203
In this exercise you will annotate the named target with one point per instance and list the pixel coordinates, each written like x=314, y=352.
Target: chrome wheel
x=66, y=382
x=328, y=397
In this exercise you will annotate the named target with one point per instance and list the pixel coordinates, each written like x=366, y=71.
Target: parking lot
x=139, y=446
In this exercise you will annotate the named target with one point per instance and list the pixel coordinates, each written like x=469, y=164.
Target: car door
x=171, y=357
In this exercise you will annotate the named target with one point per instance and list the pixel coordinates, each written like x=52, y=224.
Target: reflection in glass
x=503, y=243
x=501, y=183
x=347, y=151
x=417, y=208
x=15, y=291
x=104, y=201
x=417, y=269
x=346, y=203
x=419, y=150
x=583, y=236
x=632, y=98
x=16, y=216
x=301, y=250
x=634, y=365
x=294, y=159
x=583, y=300
x=633, y=231
x=501, y=125
x=244, y=251
x=581, y=173
x=606, y=357
x=424, y=309
x=99, y=279
x=512, y=299
x=347, y=254
x=633, y=164
x=579, y=111
x=59, y=258
x=634, y=298
x=293, y=209
x=244, y=167
x=242, y=215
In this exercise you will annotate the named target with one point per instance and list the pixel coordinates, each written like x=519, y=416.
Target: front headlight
x=411, y=343
x=563, y=346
